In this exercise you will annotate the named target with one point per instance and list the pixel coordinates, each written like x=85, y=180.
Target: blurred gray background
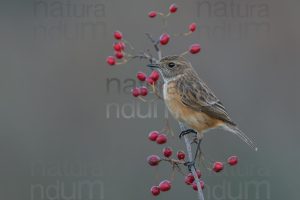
x=60, y=140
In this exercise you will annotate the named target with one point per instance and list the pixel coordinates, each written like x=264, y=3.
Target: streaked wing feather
x=196, y=95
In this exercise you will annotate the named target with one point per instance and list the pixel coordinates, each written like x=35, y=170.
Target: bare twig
x=156, y=47
x=173, y=161
x=144, y=55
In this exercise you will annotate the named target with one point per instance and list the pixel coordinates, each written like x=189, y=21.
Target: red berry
x=194, y=185
x=122, y=44
x=155, y=190
x=143, y=91
x=195, y=48
x=154, y=75
x=153, y=160
x=164, y=39
x=167, y=151
x=153, y=135
x=117, y=46
x=173, y=8
x=119, y=54
x=180, y=155
x=192, y=27
x=189, y=179
x=152, y=14
x=111, y=60
x=150, y=81
x=165, y=186
x=202, y=184
x=141, y=76
x=232, y=160
x=118, y=35
x=218, y=166
x=161, y=139
x=135, y=92
x=198, y=173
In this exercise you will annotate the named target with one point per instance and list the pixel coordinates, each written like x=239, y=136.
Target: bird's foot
x=195, y=140
x=190, y=164
x=185, y=132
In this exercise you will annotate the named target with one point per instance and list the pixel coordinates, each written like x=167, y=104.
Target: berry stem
x=165, y=22
x=161, y=14
x=184, y=53
x=141, y=98
x=173, y=161
x=129, y=44
x=182, y=34
x=187, y=33
x=155, y=92
x=167, y=15
x=168, y=127
x=124, y=61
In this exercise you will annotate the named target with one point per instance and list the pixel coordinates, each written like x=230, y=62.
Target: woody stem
x=155, y=43
x=190, y=159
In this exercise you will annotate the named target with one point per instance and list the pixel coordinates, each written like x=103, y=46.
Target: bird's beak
x=153, y=65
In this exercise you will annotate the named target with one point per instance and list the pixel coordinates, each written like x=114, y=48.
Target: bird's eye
x=171, y=64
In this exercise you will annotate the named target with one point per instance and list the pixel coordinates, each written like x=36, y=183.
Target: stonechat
x=190, y=100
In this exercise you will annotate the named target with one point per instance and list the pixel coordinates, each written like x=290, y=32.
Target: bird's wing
x=196, y=95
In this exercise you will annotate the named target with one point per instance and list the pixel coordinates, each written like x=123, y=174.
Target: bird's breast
x=181, y=112
x=172, y=97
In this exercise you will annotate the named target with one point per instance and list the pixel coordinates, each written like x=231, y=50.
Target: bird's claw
x=190, y=164
x=195, y=140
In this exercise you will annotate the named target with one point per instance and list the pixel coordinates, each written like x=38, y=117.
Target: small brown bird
x=190, y=101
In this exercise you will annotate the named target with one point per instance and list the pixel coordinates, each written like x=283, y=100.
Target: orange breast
x=194, y=119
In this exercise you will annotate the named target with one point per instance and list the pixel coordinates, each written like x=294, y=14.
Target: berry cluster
x=151, y=80
x=159, y=138
x=167, y=152
x=219, y=166
x=139, y=91
x=119, y=51
x=163, y=186
x=172, y=9
x=190, y=180
x=119, y=48
x=154, y=160
x=164, y=39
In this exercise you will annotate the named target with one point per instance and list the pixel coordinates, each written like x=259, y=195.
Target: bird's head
x=172, y=66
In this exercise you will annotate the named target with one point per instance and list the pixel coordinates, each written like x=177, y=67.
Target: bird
x=191, y=101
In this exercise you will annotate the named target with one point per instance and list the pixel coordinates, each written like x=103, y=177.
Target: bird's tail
x=234, y=129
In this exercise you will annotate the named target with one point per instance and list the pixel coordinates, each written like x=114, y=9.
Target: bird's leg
x=198, y=150
x=185, y=132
